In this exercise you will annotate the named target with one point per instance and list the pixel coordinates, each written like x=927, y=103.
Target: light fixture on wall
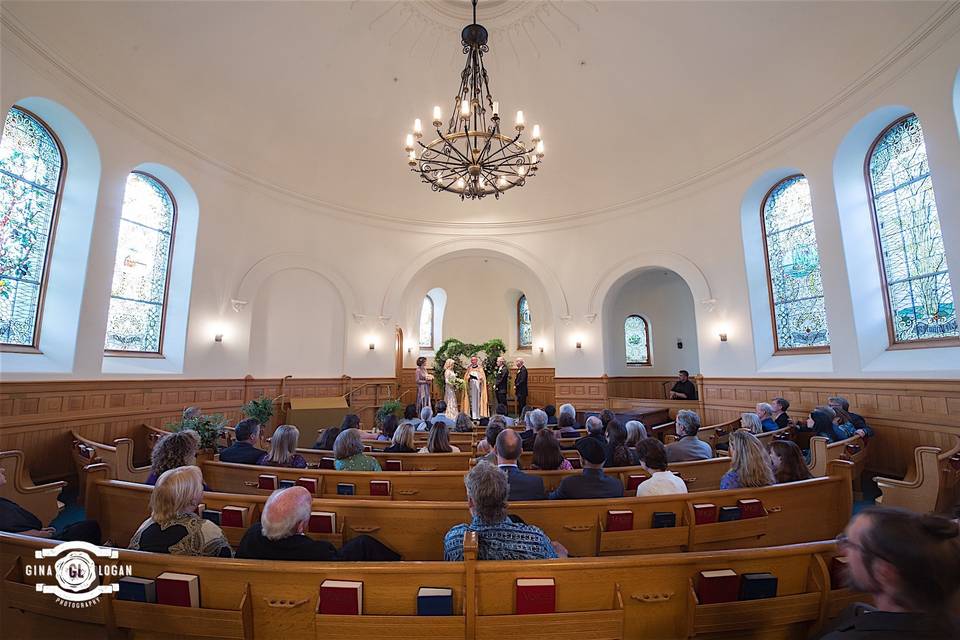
x=473, y=158
x=218, y=337
x=722, y=331
x=723, y=337
x=373, y=346
x=579, y=345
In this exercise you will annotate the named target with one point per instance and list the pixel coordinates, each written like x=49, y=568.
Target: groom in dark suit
x=520, y=385
x=501, y=375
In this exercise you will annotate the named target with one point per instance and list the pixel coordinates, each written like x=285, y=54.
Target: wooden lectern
x=310, y=414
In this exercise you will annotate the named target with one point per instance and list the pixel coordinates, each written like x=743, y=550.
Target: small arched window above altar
x=524, y=325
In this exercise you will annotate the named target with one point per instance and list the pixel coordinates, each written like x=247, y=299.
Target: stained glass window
x=793, y=267
x=918, y=292
x=31, y=166
x=426, y=323
x=636, y=334
x=139, y=294
x=524, y=326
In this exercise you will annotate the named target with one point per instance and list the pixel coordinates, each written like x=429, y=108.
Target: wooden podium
x=310, y=414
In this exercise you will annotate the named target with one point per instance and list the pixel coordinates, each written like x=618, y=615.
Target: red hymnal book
x=705, y=513
x=722, y=585
x=393, y=465
x=341, y=597
x=619, y=520
x=838, y=572
x=233, y=516
x=634, y=481
x=179, y=589
x=310, y=484
x=322, y=522
x=267, y=481
x=751, y=508
x=536, y=595
x=328, y=463
x=379, y=487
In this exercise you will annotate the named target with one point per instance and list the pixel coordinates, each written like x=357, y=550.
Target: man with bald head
x=522, y=485
x=280, y=534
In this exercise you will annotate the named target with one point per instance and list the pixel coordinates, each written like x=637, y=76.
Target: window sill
x=932, y=343
x=18, y=348
x=801, y=351
x=133, y=354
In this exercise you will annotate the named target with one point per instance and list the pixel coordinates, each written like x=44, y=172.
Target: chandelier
x=472, y=158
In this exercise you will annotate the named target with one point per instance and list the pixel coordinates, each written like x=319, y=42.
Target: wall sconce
x=218, y=337
x=723, y=337
x=372, y=346
x=579, y=345
x=541, y=348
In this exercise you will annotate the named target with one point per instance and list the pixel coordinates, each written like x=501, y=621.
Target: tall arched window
x=426, y=323
x=140, y=274
x=32, y=165
x=524, y=326
x=636, y=334
x=916, y=284
x=793, y=268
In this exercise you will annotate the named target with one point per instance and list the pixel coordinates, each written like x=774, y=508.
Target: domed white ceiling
x=634, y=98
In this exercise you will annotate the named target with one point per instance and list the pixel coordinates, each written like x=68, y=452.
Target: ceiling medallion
x=472, y=158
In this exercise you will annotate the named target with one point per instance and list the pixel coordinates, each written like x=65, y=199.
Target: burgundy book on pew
x=267, y=481
x=178, y=589
x=379, y=487
x=341, y=597
x=619, y=520
x=705, y=513
x=751, y=508
x=722, y=585
x=322, y=522
x=393, y=465
x=634, y=481
x=232, y=516
x=536, y=595
x=310, y=484
x=328, y=463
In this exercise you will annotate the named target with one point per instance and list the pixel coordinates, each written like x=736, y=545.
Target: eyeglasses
x=844, y=541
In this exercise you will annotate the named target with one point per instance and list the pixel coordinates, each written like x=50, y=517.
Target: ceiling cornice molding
x=376, y=219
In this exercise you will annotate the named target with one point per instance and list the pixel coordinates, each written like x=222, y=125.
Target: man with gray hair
x=498, y=537
x=426, y=417
x=595, y=429
x=689, y=447
x=522, y=486
x=536, y=422
x=280, y=534
x=765, y=413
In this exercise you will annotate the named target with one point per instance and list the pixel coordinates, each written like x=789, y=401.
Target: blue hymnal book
x=345, y=489
x=434, y=602
x=286, y=484
x=728, y=514
x=137, y=589
x=754, y=586
x=213, y=515
x=663, y=519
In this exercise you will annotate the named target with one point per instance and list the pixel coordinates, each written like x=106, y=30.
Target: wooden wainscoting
x=586, y=394
x=649, y=387
x=37, y=417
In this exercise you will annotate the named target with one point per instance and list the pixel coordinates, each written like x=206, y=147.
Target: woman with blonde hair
x=173, y=450
x=749, y=462
x=751, y=422
x=174, y=526
x=439, y=441
x=283, y=449
x=402, y=440
x=450, y=389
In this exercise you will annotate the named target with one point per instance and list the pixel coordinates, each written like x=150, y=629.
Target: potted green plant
x=387, y=408
x=260, y=409
x=209, y=428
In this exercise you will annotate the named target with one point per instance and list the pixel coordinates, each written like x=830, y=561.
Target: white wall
x=248, y=231
x=663, y=299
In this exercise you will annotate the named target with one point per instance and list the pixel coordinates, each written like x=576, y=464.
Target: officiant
x=475, y=390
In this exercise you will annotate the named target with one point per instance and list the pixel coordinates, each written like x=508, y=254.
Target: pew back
x=40, y=500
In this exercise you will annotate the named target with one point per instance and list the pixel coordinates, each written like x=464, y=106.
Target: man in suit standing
x=593, y=482
x=522, y=485
x=520, y=385
x=501, y=376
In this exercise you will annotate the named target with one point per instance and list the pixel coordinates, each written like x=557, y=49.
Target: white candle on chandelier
x=519, y=120
x=409, y=145
x=464, y=109
x=502, y=182
x=540, y=149
x=535, y=135
x=521, y=170
x=437, y=116
x=412, y=158
x=496, y=108
x=481, y=182
x=460, y=183
x=417, y=128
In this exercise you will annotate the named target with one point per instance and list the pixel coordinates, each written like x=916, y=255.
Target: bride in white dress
x=449, y=390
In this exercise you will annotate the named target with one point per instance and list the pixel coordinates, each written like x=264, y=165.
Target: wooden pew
x=797, y=512
x=40, y=500
x=410, y=461
x=930, y=485
x=118, y=456
x=822, y=452
x=626, y=597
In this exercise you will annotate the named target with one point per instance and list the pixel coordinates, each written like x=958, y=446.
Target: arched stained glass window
x=524, y=326
x=636, y=333
x=140, y=274
x=793, y=268
x=916, y=283
x=426, y=323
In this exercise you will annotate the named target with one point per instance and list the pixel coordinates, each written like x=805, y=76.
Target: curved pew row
x=119, y=456
x=427, y=462
x=628, y=597
x=814, y=509
x=40, y=500
x=932, y=482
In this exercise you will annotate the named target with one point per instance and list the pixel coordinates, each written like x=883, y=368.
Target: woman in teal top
x=348, y=450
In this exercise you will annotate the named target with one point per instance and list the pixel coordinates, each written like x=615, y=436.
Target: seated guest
x=403, y=440
x=843, y=424
x=522, y=485
x=410, y=415
x=442, y=417
x=859, y=424
x=439, y=441
x=593, y=482
x=536, y=422
x=765, y=413
x=909, y=564
x=426, y=419
x=283, y=449
x=244, y=448
x=568, y=410
x=821, y=422
x=16, y=519
x=487, y=448
x=171, y=451
x=280, y=535
x=780, y=406
x=388, y=427
x=653, y=459
x=749, y=463
x=348, y=451
x=174, y=526
x=688, y=447
x=327, y=438
x=635, y=432
x=787, y=462
x=683, y=388
x=618, y=453
x=463, y=424
x=567, y=426
x=523, y=415
x=547, y=455
x=502, y=412
x=498, y=537
x=595, y=430
x=551, y=412
x=605, y=417
x=350, y=421
x=751, y=422
x=192, y=413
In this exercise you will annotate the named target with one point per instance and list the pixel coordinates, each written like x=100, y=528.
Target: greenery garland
x=461, y=352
